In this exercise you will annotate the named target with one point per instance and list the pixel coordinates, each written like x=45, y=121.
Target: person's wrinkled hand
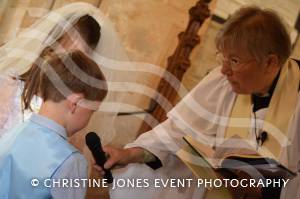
x=117, y=157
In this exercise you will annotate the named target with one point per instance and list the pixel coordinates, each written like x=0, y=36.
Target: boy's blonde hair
x=59, y=75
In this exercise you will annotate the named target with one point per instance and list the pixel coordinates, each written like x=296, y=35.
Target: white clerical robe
x=202, y=113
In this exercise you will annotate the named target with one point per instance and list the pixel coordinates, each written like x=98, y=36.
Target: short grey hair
x=258, y=31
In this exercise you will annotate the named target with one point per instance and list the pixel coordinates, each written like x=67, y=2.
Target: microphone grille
x=92, y=140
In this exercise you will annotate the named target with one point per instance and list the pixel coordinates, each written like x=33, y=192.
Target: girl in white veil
x=17, y=55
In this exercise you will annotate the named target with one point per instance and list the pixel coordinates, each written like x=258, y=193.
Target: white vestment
x=199, y=114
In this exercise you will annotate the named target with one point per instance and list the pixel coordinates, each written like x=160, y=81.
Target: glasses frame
x=233, y=62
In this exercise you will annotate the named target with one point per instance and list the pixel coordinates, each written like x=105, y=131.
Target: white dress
x=10, y=100
x=11, y=106
x=199, y=113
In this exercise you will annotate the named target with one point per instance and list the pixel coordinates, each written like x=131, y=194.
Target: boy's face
x=80, y=115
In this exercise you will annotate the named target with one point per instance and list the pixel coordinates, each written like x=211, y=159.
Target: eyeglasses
x=233, y=62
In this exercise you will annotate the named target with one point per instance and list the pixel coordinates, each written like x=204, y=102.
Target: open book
x=233, y=154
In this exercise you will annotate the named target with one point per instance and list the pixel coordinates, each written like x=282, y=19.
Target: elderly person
x=257, y=79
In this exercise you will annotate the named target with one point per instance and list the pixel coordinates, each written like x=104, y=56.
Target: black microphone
x=262, y=138
x=93, y=142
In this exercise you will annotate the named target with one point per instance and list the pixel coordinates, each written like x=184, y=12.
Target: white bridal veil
x=17, y=56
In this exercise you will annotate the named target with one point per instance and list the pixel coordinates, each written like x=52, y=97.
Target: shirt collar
x=272, y=88
x=49, y=124
x=260, y=102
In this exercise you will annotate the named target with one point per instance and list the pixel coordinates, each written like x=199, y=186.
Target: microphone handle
x=100, y=159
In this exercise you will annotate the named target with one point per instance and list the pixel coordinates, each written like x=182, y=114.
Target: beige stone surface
x=3, y=6
x=203, y=59
x=12, y=19
x=60, y=3
x=296, y=50
x=36, y=9
x=145, y=25
x=288, y=9
x=149, y=31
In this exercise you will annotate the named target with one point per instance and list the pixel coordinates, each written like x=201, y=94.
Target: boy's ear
x=72, y=101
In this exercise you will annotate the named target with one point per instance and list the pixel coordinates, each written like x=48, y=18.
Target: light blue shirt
x=75, y=167
x=39, y=147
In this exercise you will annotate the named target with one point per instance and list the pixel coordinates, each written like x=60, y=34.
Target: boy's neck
x=54, y=111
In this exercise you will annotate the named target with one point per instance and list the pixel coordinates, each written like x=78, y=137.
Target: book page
x=230, y=154
x=205, y=151
x=235, y=146
x=198, y=165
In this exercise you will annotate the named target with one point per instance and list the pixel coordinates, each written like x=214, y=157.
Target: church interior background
x=148, y=30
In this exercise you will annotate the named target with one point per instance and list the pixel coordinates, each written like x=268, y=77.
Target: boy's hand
x=120, y=157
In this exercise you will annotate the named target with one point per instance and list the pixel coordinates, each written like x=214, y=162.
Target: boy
x=37, y=152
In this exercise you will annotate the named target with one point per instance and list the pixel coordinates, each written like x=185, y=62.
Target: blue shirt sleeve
x=75, y=167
